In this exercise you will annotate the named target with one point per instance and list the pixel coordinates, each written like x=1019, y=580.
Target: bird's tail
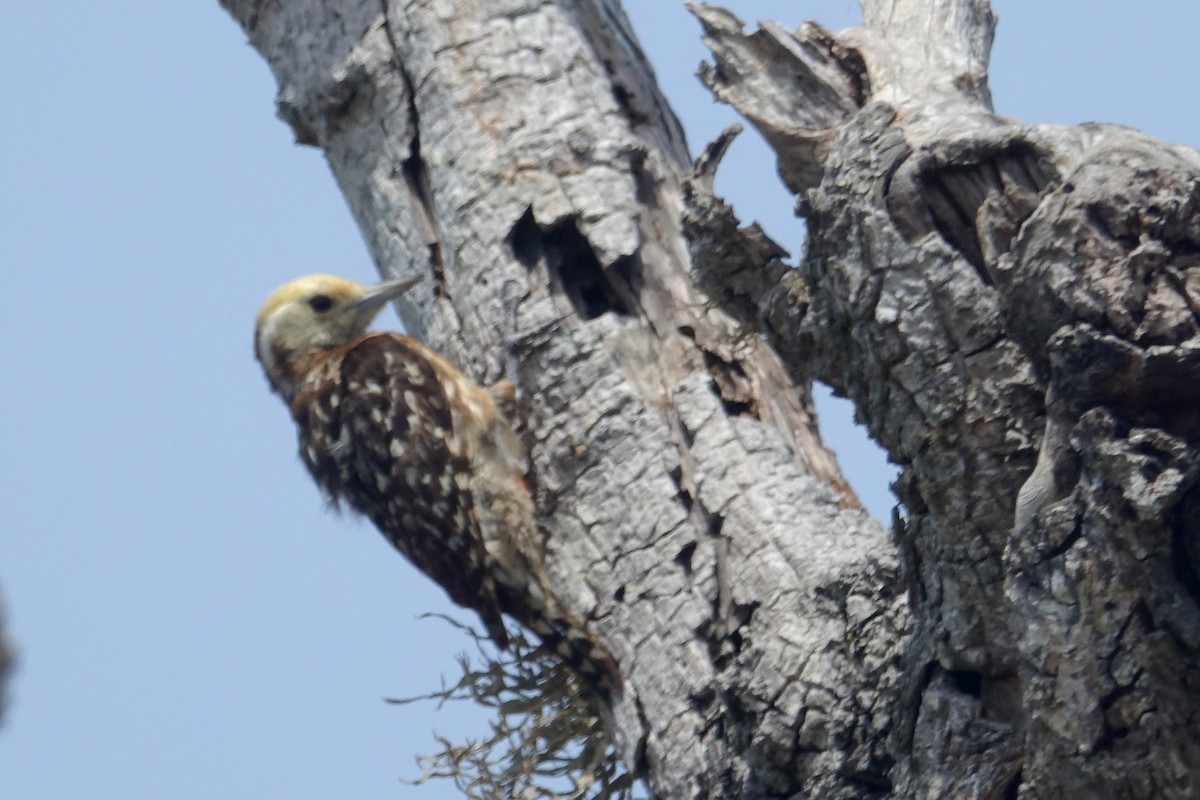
x=564, y=635
x=504, y=513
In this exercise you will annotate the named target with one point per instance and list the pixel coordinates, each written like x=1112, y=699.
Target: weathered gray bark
x=992, y=296
x=961, y=269
x=520, y=153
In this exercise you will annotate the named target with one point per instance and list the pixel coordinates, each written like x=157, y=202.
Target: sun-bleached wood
x=520, y=154
x=1012, y=308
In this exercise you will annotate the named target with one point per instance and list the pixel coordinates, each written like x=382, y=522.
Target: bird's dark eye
x=320, y=303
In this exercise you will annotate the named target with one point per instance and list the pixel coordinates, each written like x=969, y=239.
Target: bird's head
x=312, y=314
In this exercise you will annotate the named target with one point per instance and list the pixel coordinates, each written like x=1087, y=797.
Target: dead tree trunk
x=1013, y=309
x=978, y=287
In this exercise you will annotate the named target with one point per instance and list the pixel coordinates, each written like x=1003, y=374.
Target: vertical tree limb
x=522, y=155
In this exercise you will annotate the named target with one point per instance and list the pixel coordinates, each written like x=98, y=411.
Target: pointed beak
x=379, y=295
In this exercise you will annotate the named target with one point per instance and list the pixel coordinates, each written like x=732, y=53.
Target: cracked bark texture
x=519, y=153
x=1013, y=309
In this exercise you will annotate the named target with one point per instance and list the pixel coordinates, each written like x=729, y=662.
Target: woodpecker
x=390, y=428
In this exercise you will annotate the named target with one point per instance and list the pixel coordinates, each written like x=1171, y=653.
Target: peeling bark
x=1012, y=308
x=520, y=153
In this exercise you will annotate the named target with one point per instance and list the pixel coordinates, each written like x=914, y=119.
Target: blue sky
x=191, y=622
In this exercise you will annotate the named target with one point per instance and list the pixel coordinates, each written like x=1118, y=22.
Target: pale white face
x=311, y=313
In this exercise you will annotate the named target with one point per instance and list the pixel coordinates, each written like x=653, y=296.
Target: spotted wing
x=391, y=444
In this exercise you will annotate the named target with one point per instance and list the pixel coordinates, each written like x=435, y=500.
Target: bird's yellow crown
x=301, y=290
